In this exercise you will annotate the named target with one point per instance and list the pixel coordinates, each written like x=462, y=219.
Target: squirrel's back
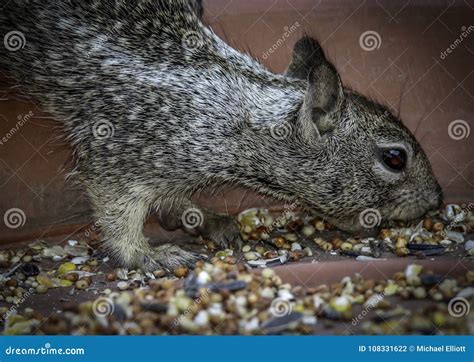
x=51, y=44
x=71, y=50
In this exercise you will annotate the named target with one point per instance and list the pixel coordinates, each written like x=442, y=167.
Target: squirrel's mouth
x=410, y=206
x=345, y=224
x=373, y=218
x=410, y=210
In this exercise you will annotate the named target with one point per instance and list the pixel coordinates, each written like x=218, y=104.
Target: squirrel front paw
x=221, y=229
x=168, y=257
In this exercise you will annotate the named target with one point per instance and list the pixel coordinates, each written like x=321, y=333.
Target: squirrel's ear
x=324, y=93
x=323, y=98
x=307, y=54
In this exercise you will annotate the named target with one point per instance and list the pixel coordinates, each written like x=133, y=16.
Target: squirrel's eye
x=395, y=159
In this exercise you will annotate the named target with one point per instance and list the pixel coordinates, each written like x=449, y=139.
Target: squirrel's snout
x=436, y=197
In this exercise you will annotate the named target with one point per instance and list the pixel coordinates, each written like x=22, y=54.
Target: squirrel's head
x=359, y=164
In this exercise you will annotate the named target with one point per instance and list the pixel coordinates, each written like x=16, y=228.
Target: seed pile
x=27, y=271
x=227, y=296
x=438, y=233
x=223, y=298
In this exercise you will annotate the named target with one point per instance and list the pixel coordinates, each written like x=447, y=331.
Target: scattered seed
x=295, y=247
x=181, y=272
x=66, y=268
x=346, y=246
x=319, y=225
x=246, y=248
x=41, y=289
x=308, y=230
x=438, y=226
x=251, y=255
x=123, y=285
x=82, y=284
x=455, y=236
x=267, y=273
x=419, y=293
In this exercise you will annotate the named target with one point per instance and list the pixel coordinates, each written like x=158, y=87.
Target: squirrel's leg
x=220, y=228
x=121, y=221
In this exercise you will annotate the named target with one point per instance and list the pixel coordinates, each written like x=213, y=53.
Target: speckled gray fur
x=158, y=107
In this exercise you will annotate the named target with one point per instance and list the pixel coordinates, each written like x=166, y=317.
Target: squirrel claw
x=169, y=257
x=223, y=230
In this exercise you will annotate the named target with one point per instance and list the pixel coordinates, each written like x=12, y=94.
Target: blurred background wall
x=416, y=56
